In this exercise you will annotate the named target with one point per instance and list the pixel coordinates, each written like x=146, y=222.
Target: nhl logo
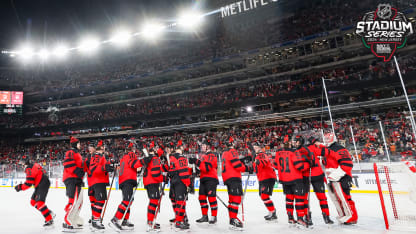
x=384, y=11
x=384, y=31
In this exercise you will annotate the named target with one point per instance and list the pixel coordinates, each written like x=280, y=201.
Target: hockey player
x=290, y=166
x=72, y=178
x=97, y=169
x=180, y=181
x=208, y=165
x=317, y=177
x=152, y=179
x=129, y=165
x=301, y=149
x=36, y=176
x=338, y=169
x=232, y=168
x=266, y=177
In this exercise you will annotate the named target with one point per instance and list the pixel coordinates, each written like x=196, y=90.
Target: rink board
x=362, y=183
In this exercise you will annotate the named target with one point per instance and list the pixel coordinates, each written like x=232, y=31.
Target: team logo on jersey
x=384, y=31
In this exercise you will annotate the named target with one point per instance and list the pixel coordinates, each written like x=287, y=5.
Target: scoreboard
x=11, y=102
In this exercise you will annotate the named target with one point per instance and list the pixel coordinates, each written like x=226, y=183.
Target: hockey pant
x=127, y=192
x=208, y=190
x=235, y=193
x=294, y=198
x=154, y=194
x=265, y=191
x=340, y=196
x=38, y=199
x=319, y=189
x=97, y=194
x=178, y=197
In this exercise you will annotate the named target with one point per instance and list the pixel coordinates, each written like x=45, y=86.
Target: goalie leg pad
x=342, y=201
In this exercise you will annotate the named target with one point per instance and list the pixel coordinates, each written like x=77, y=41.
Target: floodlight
x=121, y=38
x=43, y=54
x=89, y=44
x=152, y=30
x=60, y=51
x=249, y=109
x=26, y=52
x=190, y=19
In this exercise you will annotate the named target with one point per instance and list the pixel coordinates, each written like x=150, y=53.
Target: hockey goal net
x=398, y=200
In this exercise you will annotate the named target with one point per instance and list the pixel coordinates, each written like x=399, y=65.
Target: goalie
x=338, y=170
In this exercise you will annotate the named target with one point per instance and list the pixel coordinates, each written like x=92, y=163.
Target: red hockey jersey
x=153, y=173
x=231, y=165
x=72, y=161
x=290, y=166
x=34, y=175
x=179, y=165
x=263, y=167
x=339, y=156
x=309, y=157
x=316, y=172
x=95, y=168
x=128, y=168
x=208, y=164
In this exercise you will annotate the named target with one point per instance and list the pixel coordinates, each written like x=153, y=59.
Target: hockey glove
x=79, y=172
x=246, y=160
x=346, y=181
x=18, y=187
x=163, y=159
x=250, y=168
x=192, y=160
x=171, y=174
x=334, y=174
x=109, y=167
x=147, y=160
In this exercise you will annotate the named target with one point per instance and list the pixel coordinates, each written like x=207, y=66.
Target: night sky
x=50, y=21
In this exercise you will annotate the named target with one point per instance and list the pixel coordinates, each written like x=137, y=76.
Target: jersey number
x=284, y=163
x=121, y=172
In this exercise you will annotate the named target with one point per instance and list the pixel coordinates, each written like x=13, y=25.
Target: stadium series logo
x=384, y=30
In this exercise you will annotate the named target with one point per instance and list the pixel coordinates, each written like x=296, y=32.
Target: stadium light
x=249, y=109
x=152, y=30
x=121, y=38
x=190, y=19
x=25, y=53
x=60, y=51
x=88, y=45
x=43, y=54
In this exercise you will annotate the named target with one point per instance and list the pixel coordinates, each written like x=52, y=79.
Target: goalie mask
x=329, y=139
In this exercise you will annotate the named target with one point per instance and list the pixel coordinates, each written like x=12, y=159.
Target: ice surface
x=17, y=216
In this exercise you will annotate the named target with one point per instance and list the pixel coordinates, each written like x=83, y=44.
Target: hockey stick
x=158, y=205
x=222, y=201
x=109, y=193
x=134, y=192
x=244, y=194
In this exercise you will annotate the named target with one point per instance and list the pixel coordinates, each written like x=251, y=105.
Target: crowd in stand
x=273, y=87
x=313, y=18
x=367, y=134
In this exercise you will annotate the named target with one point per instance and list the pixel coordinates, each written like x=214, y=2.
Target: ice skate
x=327, y=220
x=271, y=216
x=203, y=219
x=236, y=225
x=115, y=224
x=213, y=220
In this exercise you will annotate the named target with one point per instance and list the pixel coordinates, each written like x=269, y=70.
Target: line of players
x=298, y=167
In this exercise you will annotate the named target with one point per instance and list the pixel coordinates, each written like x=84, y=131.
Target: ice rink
x=17, y=216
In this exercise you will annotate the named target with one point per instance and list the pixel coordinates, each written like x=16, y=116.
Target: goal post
x=397, y=203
